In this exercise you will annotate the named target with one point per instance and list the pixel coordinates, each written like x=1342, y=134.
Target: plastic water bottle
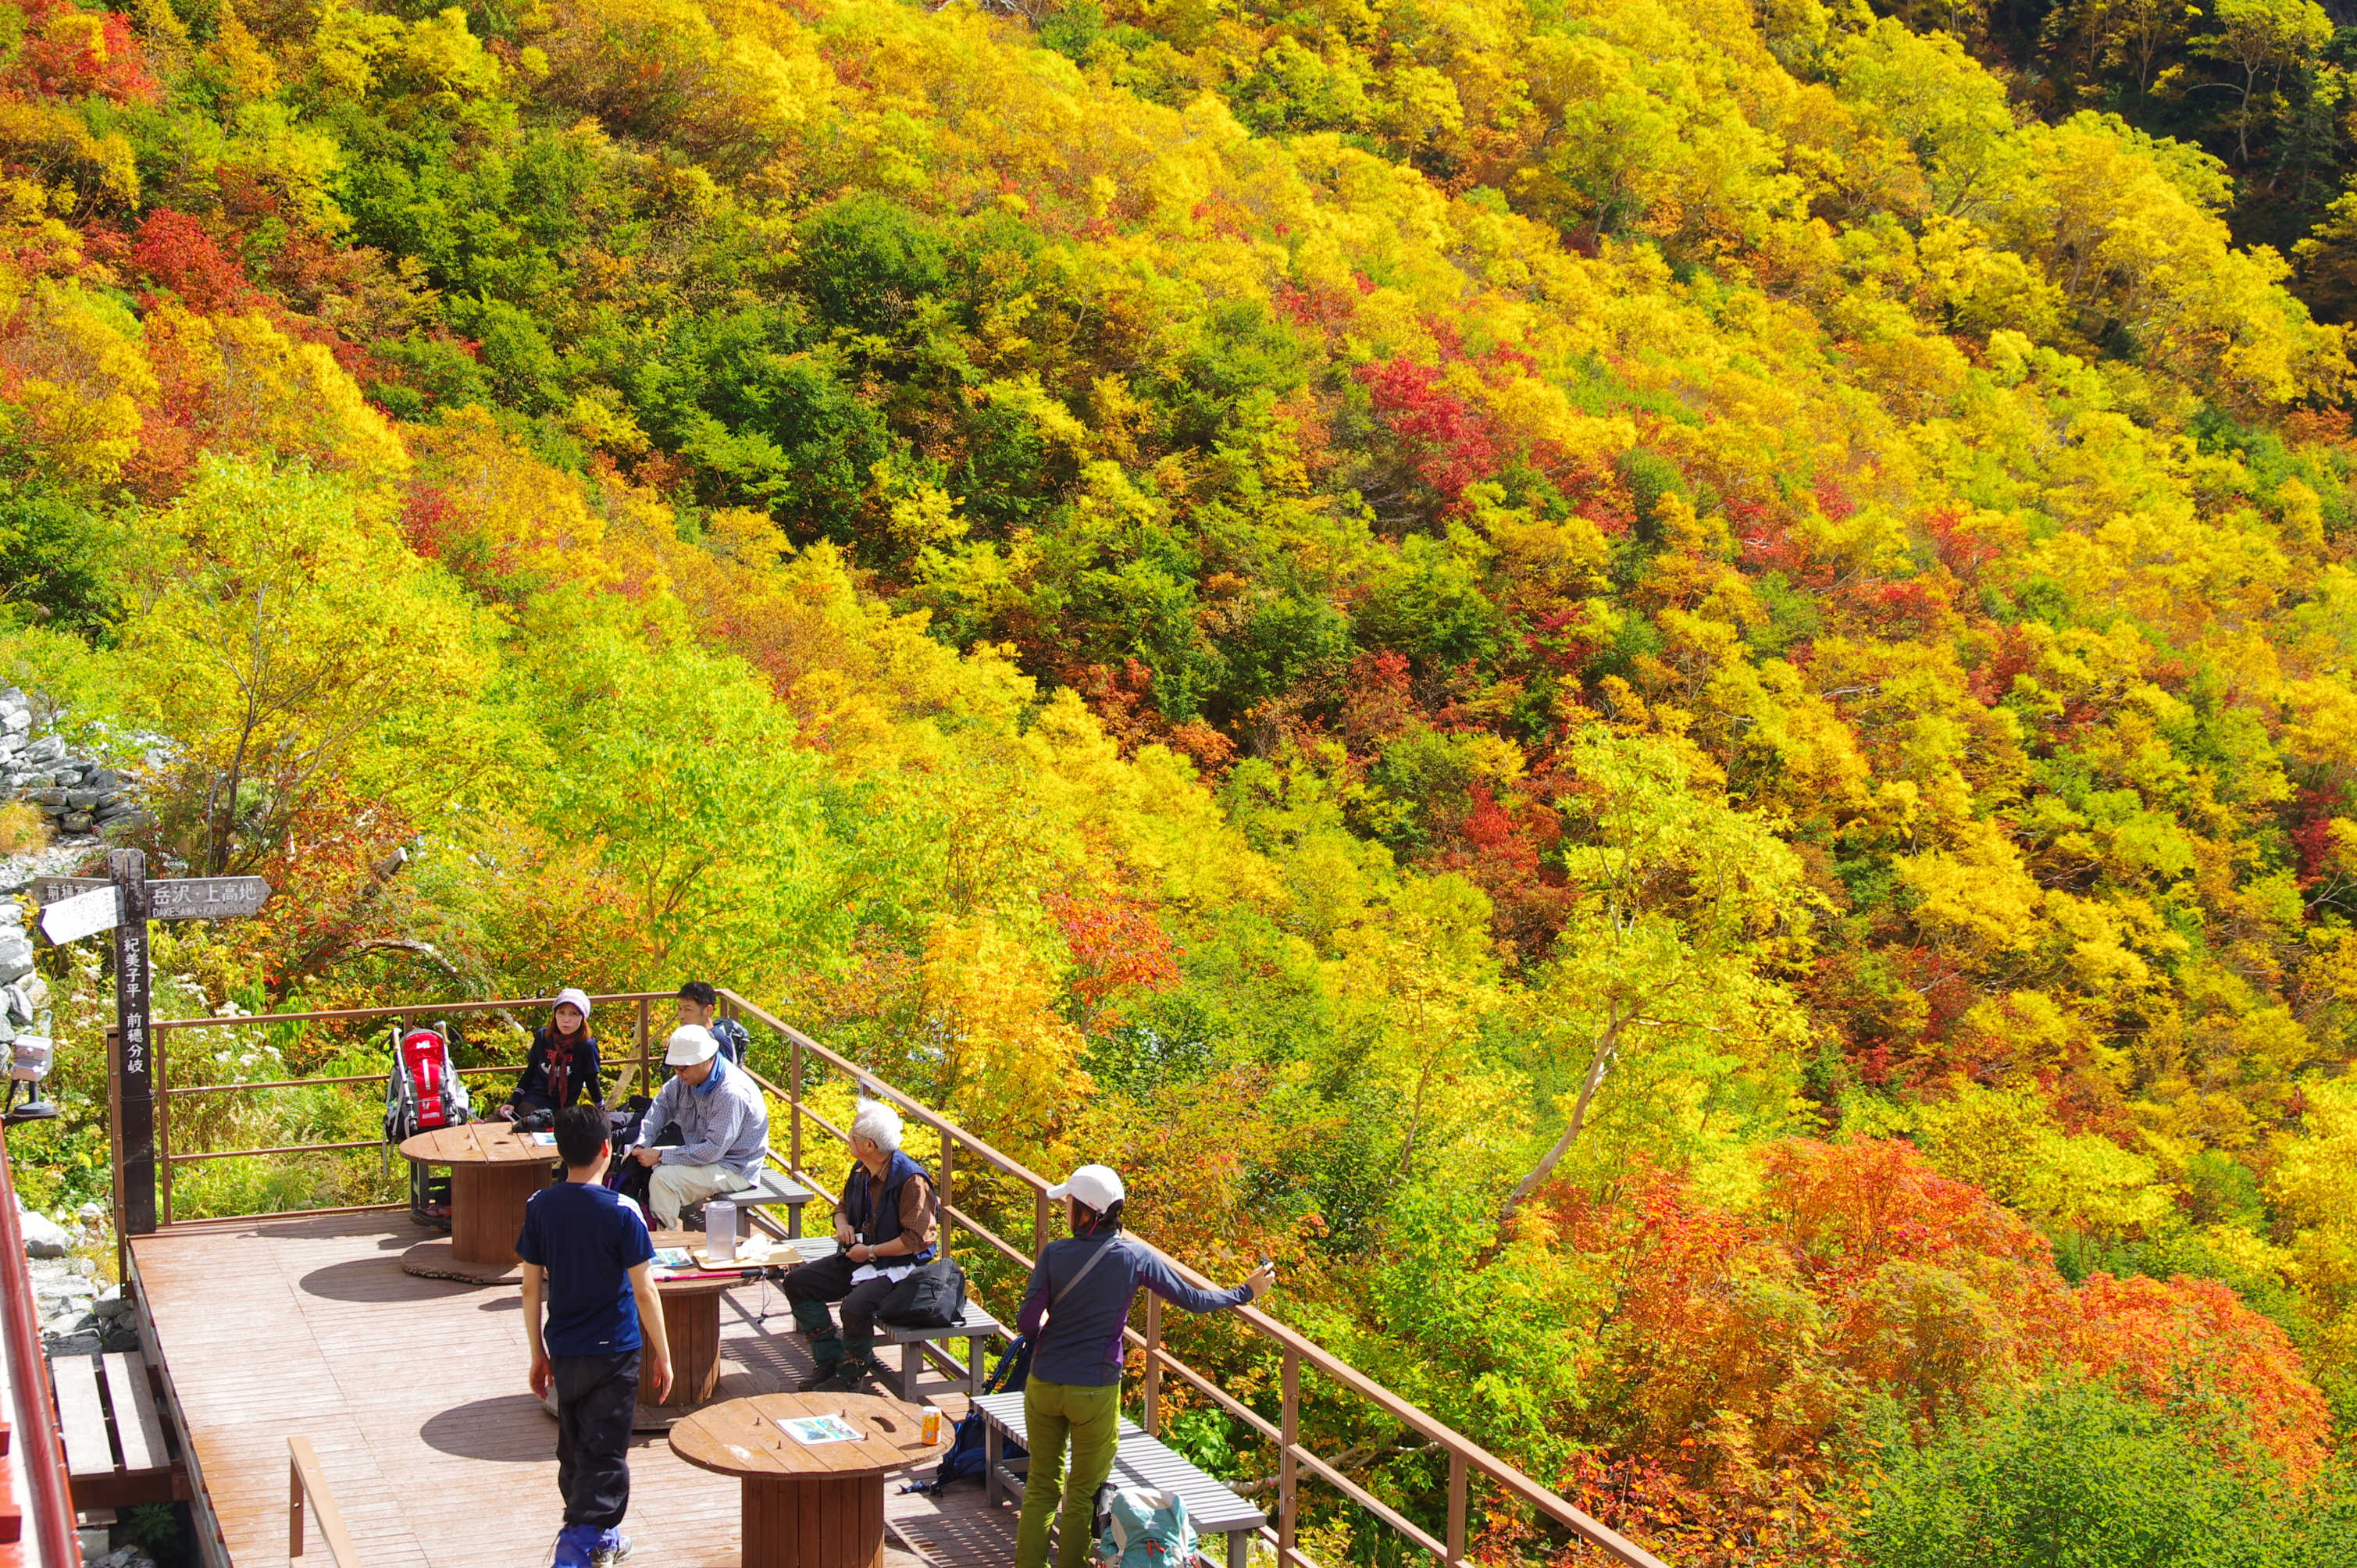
x=719, y=1232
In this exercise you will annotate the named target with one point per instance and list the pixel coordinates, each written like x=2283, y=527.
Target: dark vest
x=884, y=1210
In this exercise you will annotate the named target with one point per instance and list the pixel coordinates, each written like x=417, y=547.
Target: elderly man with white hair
x=884, y=1227
x=721, y=1121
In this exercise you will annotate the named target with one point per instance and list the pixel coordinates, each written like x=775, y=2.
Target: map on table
x=814, y=1430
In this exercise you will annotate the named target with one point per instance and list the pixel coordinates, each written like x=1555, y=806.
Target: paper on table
x=814, y=1430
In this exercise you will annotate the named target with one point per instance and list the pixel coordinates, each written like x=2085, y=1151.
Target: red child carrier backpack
x=424, y=1093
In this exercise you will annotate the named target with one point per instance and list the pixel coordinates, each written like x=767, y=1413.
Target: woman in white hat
x=1074, y=1313
x=561, y=1067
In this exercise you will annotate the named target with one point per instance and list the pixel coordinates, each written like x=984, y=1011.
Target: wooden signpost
x=123, y=902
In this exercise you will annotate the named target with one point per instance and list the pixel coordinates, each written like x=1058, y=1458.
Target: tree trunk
x=1606, y=1045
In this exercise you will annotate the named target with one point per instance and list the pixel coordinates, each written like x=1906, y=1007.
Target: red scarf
x=560, y=1060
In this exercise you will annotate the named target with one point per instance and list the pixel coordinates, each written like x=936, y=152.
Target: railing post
x=1456, y=1509
x=294, y=1505
x=163, y=1129
x=1153, y=1421
x=1041, y=1219
x=1288, y=1435
x=946, y=1196
x=794, y=1101
x=647, y=1086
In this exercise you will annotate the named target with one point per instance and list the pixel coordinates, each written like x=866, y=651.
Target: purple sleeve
x=1158, y=1277
x=1035, y=1301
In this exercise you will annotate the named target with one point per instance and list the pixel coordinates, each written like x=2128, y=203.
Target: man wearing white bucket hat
x=723, y=1122
x=1075, y=1313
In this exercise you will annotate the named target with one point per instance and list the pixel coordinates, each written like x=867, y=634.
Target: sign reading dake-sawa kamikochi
x=123, y=902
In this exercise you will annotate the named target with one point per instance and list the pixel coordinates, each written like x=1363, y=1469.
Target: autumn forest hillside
x=1669, y=691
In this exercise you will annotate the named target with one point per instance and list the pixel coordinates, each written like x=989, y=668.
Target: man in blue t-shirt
x=585, y=1250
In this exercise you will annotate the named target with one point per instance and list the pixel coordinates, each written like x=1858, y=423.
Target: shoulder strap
x=1095, y=1259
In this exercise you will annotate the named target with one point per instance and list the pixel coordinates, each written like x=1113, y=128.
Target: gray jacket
x=728, y=1125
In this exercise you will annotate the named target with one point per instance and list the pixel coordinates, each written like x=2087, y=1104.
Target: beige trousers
x=670, y=1188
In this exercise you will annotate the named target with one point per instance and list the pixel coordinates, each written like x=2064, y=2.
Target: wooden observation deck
x=306, y=1381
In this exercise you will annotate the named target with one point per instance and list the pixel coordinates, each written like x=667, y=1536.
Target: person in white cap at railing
x=1073, y=1315
x=723, y=1128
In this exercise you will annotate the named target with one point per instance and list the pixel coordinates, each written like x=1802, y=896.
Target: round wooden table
x=494, y=1171
x=692, y=1325
x=808, y=1506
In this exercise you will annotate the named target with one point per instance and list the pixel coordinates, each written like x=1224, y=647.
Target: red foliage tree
x=175, y=253
x=1441, y=440
x=71, y=53
x=1116, y=946
x=2184, y=1342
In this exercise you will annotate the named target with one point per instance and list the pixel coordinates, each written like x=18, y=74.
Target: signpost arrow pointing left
x=83, y=915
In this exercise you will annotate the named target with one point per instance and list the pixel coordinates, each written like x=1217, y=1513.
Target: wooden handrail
x=1298, y=1352
x=42, y=1454
x=305, y=1481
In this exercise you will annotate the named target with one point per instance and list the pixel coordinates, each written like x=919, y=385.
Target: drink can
x=932, y=1424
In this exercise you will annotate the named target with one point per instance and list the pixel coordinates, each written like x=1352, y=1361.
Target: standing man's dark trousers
x=809, y=1287
x=596, y=1398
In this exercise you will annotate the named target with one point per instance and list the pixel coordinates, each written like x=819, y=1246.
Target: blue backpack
x=966, y=1455
x=1145, y=1530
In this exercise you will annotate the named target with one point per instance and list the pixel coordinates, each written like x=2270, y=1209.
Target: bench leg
x=793, y=1223
x=912, y=1367
x=1239, y=1548
x=973, y=1371
x=991, y=1488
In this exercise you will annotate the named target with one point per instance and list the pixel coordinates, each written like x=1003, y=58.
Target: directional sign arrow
x=175, y=898
x=57, y=889
x=83, y=915
x=197, y=898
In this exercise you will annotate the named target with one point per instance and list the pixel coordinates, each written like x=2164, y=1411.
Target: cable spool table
x=808, y=1505
x=494, y=1171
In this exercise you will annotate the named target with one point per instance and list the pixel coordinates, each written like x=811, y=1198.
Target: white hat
x=1094, y=1186
x=579, y=997
x=690, y=1044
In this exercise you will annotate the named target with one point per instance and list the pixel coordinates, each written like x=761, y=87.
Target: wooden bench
x=115, y=1454
x=1138, y=1461
x=918, y=1345
x=773, y=1187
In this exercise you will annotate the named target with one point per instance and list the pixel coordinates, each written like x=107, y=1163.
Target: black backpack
x=932, y=1296
x=964, y=1460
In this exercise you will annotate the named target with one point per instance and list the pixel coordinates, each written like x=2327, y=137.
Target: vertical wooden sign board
x=135, y=1069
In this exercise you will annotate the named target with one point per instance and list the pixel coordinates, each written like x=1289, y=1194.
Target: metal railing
x=305, y=1481
x=1295, y=1462
x=38, y=1451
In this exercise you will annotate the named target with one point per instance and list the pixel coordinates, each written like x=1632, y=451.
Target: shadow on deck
x=412, y=1391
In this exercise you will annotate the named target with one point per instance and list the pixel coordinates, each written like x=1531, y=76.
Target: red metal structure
x=35, y=1459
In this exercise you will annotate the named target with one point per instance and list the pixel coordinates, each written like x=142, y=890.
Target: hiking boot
x=610, y=1552
x=823, y=1377
x=848, y=1378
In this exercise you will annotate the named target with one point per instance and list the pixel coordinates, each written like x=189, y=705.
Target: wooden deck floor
x=413, y=1390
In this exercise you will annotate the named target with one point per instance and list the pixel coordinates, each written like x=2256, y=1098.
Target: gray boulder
x=44, y=1236
x=79, y=822
x=111, y=1306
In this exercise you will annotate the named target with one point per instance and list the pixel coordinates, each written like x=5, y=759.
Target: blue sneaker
x=576, y=1545
x=611, y=1550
